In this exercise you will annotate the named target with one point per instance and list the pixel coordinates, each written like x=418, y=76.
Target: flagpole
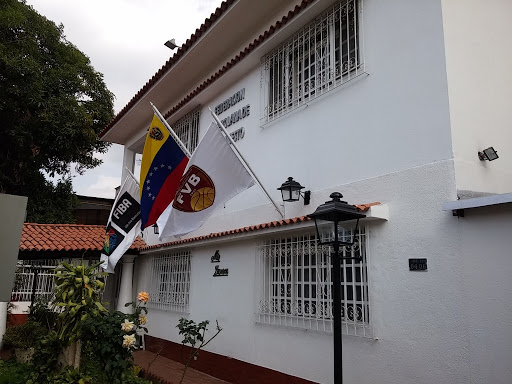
x=173, y=134
x=244, y=162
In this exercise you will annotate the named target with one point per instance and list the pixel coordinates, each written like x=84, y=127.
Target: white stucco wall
x=485, y=261
x=393, y=119
x=418, y=317
x=385, y=137
x=478, y=60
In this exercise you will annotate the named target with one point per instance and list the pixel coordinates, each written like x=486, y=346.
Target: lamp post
x=334, y=222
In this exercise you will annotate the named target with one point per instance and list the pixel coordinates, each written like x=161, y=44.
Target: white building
x=384, y=101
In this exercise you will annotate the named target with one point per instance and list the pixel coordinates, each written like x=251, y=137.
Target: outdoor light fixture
x=488, y=154
x=290, y=191
x=334, y=222
x=155, y=229
x=171, y=44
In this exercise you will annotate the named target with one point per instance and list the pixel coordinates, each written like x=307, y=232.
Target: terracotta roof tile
x=252, y=228
x=66, y=237
x=184, y=48
x=179, y=53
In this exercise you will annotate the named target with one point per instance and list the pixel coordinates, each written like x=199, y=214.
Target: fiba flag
x=123, y=224
x=214, y=175
x=163, y=163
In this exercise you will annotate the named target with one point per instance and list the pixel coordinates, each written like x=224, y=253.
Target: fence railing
x=35, y=279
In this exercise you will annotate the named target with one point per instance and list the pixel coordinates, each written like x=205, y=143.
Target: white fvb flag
x=123, y=224
x=213, y=176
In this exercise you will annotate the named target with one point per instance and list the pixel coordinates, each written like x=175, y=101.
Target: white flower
x=142, y=319
x=128, y=340
x=127, y=326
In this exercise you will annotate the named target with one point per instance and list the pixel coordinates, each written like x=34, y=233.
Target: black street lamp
x=334, y=222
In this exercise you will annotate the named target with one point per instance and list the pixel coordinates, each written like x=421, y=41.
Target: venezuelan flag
x=163, y=164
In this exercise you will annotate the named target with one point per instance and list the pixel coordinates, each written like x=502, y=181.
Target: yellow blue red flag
x=163, y=164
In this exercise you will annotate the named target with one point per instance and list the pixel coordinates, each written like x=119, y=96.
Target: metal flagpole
x=173, y=134
x=244, y=162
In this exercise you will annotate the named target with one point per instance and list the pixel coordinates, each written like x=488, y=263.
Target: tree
x=53, y=104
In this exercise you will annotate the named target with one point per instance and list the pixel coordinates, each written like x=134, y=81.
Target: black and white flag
x=123, y=224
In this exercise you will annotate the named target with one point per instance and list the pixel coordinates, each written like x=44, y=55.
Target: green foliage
x=103, y=347
x=192, y=334
x=105, y=350
x=45, y=359
x=43, y=312
x=12, y=372
x=70, y=375
x=78, y=291
x=53, y=104
x=24, y=335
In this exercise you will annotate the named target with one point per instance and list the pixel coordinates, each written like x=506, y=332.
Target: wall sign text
x=417, y=264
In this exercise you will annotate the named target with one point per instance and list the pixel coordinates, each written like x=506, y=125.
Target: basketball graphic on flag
x=202, y=198
x=196, y=191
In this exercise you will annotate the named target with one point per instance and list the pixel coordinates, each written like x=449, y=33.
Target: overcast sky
x=125, y=41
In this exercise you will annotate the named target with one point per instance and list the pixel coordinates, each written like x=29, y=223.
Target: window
x=169, y=281
x=187, y=129
x=320, y=57
x=295, y=285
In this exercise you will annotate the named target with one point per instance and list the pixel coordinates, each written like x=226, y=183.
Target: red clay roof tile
x=184, y=48
x=252, y=228
x=66, y=237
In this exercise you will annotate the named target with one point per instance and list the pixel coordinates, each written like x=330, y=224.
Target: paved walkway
x=170, y=371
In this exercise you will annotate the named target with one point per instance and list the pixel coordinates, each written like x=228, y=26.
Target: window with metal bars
x=295, y=285
x=320, y=57
x=169, y=278
x=187, y=129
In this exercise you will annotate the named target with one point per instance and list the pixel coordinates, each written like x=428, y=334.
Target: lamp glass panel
x=286, y=194
x=295, y=195
x=346, y=230
x=325, y=230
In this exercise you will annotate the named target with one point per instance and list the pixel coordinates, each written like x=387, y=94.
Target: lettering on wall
x=216, y=257
x=417, y=264
x=235, y=116
x=220, y=271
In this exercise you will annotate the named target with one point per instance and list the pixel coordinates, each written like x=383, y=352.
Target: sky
x=124, y=40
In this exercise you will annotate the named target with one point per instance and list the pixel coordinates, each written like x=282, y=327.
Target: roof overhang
x=201, y=56
x=458, y=206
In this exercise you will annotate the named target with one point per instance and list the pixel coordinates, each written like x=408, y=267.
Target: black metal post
x=336, y=309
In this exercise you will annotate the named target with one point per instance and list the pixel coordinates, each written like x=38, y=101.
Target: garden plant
x=75, y=338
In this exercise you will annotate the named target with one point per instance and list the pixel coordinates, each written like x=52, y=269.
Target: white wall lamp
x=290, y=191
x=488, y=154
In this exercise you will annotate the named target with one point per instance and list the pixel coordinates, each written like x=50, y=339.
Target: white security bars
x=187, y=129
x=321, y=56
x=43, y=272
x=295, y=285
x=169, y=279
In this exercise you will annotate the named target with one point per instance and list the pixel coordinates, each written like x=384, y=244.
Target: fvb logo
x=196, y=191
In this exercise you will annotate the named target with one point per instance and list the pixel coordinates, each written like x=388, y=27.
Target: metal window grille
x=295, y=285
x=187, y=129
x=37, y=276
x=320, y=57
x=170, y=282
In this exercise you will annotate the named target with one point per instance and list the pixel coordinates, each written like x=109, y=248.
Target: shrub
x=24, y=335
x=13, y=373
